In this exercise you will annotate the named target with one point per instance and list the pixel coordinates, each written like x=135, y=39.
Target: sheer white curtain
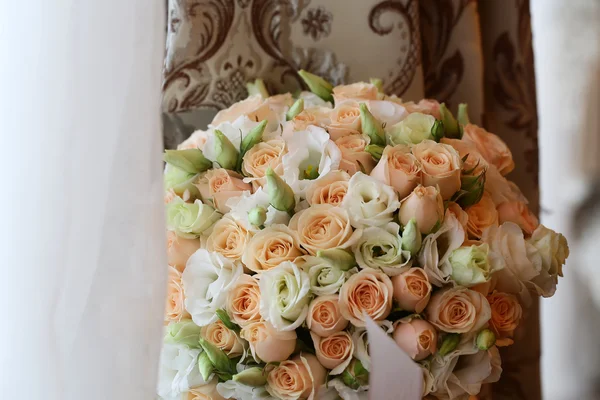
x=82, y=216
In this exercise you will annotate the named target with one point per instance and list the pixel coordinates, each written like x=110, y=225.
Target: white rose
x=311, y=153
x=552, y=251
x=369, y=202
x=413, y=129
x=240, y=206
x=324, y=277
x=284, y=296
x=437, y=248
x=381, y=248
x=178, y=371
x=206, y=279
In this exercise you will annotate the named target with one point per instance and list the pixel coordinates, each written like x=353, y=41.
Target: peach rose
x=425, y=106
x=180, y=249
x=425, y=205
x=458, y=310
x=254, y=107
x=519, y=213
x=219, y=185
x=270, y=247
x=262, y=156
x=243, y=301
x=268, y=344
x=474, y=161
x=224, y=338
x=324, y=316
x=418, y=338
x=169, y=196
x=369, y=291
x=228, y=238
x=412, y=290
x=323, y=227
x=345, y=120
x=493, y=149
x=318, y=116
x=355, y=91
x=298, y=378
x=329, y=189
x=197, y=140
x=441, y=166
x=459, y=213
x=399, y=169
x=335, y=351
x=175, y=309
x=354, y=156
x=506, y=315
x=207, y=391
x=481, y=215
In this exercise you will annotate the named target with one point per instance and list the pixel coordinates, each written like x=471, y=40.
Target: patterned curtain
x=455, y=51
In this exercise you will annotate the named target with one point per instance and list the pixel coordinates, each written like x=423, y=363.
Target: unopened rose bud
x=217, y=357
x=184, y=332
x=253, y=137
x=281, y=195
x=471, y=189
x=451, y=128
x=371, y=127
x=485, y=339
x=338, y=258
x=411, y=237
x=463, y=114
x=378, y=83
x=257, y=216
x=437, y=130
x=205, y=366
x=450, y=342
x=227, y=154
x=257, y=87
x=295, y=109
x=425, y=206
x=189, y=160
x=355, y=375
x=375, y=151
x=254, y=377
x=317, y=85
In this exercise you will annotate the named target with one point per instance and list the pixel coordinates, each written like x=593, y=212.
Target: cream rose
x=175, y=309
x=318, y=116
x=399, y=169
x=335, y=351
x=506, y=315
x=495, y=151
x=412, y=290
x=254, y=107
x=551, y=252
x=519, y=213
x=262, y=156
x=267, y=344
x=381, y=248
x=325, y=277
x=180, y=249
x=224, y=338
x=418, y=338
x=413, y=129
x=219, y=185
x=355, y=91
x=330, y=189
x=481, y=216
x=228, y=238
x=243, y=301
x=458, y=310
x=441, y=166
x=367, y=292
x=425, y=205
x=207, y=391
x=324, y=316
x=271, y=247
x=298, y=378
x=369, y=202
x=345, y=120
x=323, y=227
x=354, y=156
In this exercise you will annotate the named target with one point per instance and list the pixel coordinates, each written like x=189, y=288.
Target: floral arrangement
x=293, y=220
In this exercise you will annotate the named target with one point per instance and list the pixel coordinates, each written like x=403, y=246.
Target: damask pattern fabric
x=455, y=51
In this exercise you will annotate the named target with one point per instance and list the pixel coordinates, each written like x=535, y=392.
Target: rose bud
x=281, y=194
x=418, y=338
x=425, y=205
x=227, y=154
x=254, y=377
x=324, y=317
x=268, y=344
x=371, y=127
x=411, y=237
x=257, y=216
x=485, y=339
x=412, y=290
x=317, y=85
x=295, y=109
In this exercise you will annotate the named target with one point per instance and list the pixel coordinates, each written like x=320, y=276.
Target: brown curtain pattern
x=455, y=51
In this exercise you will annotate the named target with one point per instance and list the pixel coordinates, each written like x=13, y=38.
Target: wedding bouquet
x=291, y=221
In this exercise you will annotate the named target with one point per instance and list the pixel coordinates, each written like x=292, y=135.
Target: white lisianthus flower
x=178, y=371
x=369, y=202
x=325, y=278
x=284, y=296
x=552, y=251
x=311, y=155
x=240, y=207
x=387, y=112
x=236, y=390
x=206, y=280
x=381, y=248
x=312, y=100
x=190, y=220
x=413, y=129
